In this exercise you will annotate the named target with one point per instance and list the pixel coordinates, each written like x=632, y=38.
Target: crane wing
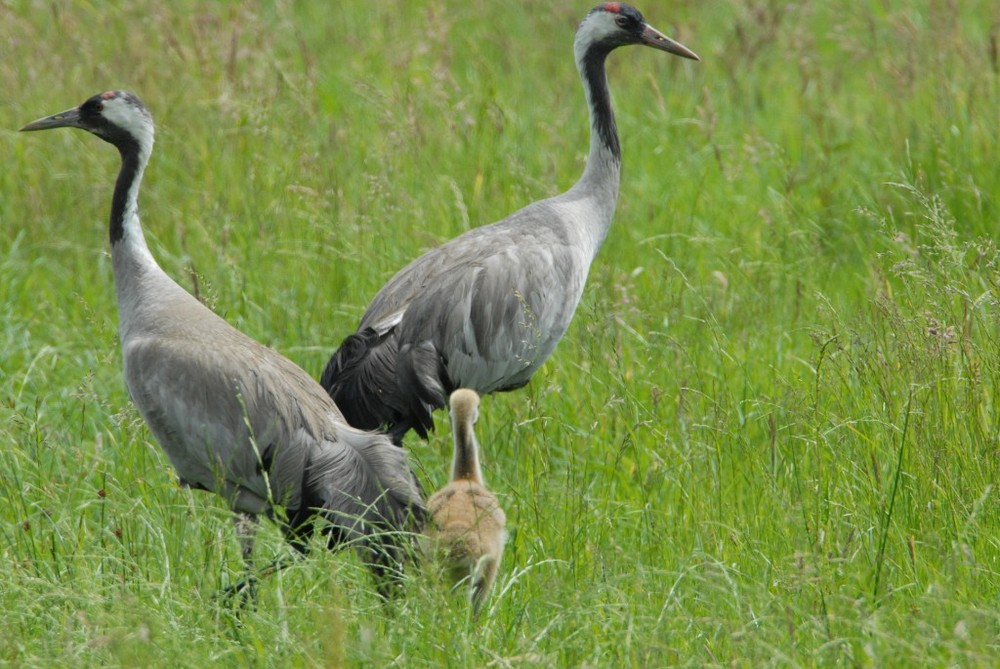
x=482, y=311
x=230, y=424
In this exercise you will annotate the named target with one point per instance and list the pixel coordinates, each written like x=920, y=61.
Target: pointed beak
x=65, y=119
x=654, y=38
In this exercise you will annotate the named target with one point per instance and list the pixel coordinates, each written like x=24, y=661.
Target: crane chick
x=466, y=529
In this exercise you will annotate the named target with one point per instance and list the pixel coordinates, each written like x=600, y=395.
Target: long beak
x=654, y=38
x=65, y=119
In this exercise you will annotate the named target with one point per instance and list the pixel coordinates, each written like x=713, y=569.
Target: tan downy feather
x=466, y=531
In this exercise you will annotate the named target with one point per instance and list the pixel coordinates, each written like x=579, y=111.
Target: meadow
x=770, y=437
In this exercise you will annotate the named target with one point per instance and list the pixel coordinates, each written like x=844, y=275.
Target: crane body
x=486, y=309
x=233, y=416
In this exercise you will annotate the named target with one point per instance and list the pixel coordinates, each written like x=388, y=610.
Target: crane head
x=464, y=406
x=615, y=24
x=114, y=116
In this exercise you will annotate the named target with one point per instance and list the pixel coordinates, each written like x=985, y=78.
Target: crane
x=233, y=416
x=466, y=528
x=486, y=309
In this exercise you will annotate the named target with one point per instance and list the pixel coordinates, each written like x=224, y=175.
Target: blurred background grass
x=769, y=437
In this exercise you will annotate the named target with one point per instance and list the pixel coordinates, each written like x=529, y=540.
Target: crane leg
x=246, y=589
x=246, y=529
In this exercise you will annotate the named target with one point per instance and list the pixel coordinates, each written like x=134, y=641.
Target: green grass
x=770, y=437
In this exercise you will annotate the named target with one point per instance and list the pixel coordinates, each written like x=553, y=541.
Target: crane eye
x=621, y=21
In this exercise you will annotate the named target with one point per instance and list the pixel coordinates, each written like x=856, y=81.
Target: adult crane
x=233, y=416
x=484, y=310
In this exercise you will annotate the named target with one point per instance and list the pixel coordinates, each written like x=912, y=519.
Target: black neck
x=130, y=171
x=602, y=117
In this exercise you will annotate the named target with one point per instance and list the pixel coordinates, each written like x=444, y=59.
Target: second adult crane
x=486, y=309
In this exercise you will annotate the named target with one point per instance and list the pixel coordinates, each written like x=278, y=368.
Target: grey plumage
x=486, y=309
x=233, y=416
